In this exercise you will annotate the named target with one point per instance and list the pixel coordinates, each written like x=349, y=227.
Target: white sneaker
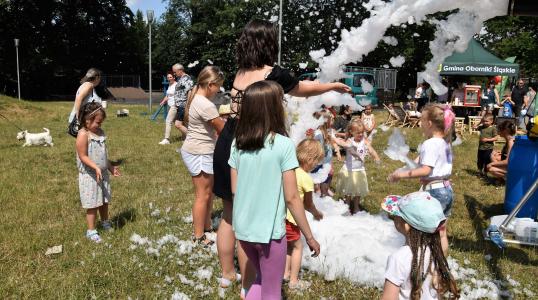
x=164, y=142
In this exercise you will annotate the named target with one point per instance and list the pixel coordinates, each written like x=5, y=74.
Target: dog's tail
x=46, y=129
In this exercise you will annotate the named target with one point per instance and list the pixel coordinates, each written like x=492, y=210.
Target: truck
x=356, y=77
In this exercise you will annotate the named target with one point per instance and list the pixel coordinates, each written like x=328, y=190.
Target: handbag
x=72, y=128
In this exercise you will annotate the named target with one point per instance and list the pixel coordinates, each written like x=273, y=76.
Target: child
x=507, y=106
x=368, y=119
x=499, y=164
x=488, y=135
x=435, y=159
x=309, y=154
x=204, y=123
x=92, y=163
x=352, y=181
x=418, y=270
x=325, y=135
x=262, y=162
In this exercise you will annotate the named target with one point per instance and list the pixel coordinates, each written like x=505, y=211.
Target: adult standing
x=518, y=95
x=256, y=53
x=184, y=84
x=86, y=92
x=172, y=108
x=490, y=98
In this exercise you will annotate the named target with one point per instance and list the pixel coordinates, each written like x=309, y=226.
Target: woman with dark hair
x=490, y=98
x=86, y=92
x=256, y=54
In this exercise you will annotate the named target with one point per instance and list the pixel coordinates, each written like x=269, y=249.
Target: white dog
x=42, y=138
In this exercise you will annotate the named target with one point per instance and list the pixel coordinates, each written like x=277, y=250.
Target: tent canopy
x=476, y=60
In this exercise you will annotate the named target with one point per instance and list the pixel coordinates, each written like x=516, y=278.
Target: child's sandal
x=107, y=225
x=202, y=241
x=93, y=236
x=226, y=283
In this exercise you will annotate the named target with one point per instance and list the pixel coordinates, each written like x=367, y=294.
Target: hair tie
x=449, y=117
x=93, y=112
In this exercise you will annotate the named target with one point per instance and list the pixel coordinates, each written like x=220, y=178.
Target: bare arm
x=304, y=89
x=372, y=151
x=310, y=207
x=390, y=291
x=492, y=139
x=414, y=173
x=163, y=101
x=497, y=99
x=233, y=179
x=503, y=163
x=84, y=92
x=295, y=205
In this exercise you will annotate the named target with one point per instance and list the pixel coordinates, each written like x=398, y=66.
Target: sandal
x=107, y=225
x=202, y=241
x=210, y=230
x=225, y=282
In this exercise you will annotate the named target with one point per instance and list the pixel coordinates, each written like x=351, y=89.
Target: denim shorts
x=445, y=195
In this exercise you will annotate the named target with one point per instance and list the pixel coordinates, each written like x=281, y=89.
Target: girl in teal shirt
x=263, y=163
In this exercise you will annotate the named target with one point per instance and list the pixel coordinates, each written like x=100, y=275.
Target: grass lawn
x=41, y=208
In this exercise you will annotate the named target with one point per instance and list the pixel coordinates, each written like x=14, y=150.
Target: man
x=183, y=86
x=518, y=94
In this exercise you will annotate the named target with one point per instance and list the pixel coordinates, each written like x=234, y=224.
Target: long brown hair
x=437, y=266
x=257, y=46
x=261, y=113
x=209, y=74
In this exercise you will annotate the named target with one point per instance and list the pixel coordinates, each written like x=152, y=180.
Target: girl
x=92, y=163
x=351, y=180
x=418, y=270
x=204, y=123
x=263, y=164
x=172, y=108
x=256, y=55
x=499, y=164
x=309, y=154
x=86, y=92
x=435, y=159
x=368, y=119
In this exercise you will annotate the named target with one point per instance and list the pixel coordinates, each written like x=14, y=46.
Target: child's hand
x=115, y=171
x=314, y=246
x=98, y=174
x=318, y=216
x=394, y=177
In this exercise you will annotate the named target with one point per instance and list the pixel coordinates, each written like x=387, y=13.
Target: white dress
x=92, y=193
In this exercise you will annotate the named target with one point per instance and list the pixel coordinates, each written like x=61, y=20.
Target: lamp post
x=150, y=20
x=18, y=76
x=279, y=32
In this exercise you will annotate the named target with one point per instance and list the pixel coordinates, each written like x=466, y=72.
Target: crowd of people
x=245, y=157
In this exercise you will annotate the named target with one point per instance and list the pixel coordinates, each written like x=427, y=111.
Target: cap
x=419, y=209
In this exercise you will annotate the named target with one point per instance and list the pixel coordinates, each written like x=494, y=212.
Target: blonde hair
x=324, y=128
x=435, y=113
x=310, y=150
x=355, y=123
x=208, y=75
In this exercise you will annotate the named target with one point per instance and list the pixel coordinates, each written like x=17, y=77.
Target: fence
x=121, y=80
x=385, y=79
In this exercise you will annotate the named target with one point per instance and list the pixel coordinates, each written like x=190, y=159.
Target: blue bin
x=522, y=172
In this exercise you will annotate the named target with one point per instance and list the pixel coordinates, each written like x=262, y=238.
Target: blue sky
x=157, y=5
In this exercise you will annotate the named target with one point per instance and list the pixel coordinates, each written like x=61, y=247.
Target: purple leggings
x=269, y=261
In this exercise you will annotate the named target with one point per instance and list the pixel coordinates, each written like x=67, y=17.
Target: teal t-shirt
x=259, y=208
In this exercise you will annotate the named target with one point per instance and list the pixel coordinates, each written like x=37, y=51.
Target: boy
x=488, y=135
x=507, y=106
x=309, y=154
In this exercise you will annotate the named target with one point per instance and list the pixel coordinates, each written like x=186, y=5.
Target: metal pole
x=18, y=76
x=280, y=33
x=150, y=20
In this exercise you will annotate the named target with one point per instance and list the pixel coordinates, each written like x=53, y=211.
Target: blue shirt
x=507, y=109
x=259, y=208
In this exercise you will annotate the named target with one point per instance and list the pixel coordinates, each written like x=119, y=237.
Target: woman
x=172, y=108
x=86, y=92
x=256, y=54
x=499, y=165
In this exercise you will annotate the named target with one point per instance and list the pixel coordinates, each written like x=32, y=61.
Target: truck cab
x=355, y=81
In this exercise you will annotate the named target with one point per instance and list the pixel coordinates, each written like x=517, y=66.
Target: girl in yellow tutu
x=351, y=181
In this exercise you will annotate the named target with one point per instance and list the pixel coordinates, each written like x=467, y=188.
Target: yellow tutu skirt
x=351, y=183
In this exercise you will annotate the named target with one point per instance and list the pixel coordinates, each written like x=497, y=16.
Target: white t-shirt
x=437, y=154
x=398, y=271
x=201, y=136
x=355, y=154
x=170, y=94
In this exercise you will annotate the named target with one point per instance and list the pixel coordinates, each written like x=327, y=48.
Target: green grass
x=41, y=208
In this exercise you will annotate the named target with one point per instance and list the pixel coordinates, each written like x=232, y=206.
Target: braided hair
x=437, y=266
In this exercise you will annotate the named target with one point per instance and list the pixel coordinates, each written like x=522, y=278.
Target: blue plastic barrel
x=522, y=172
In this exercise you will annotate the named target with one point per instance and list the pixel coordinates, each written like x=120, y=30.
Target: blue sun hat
x=419, y=209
